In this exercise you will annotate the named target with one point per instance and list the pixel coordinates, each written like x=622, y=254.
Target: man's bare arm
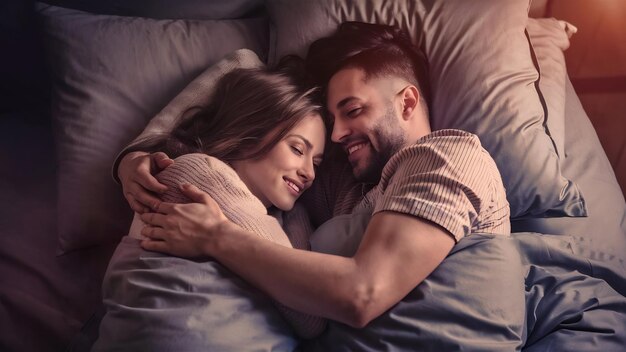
x=136, y=173
x=397, y=253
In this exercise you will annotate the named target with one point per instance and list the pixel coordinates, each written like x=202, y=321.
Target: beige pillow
x=483, y=80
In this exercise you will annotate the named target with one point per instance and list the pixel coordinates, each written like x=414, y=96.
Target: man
x=423, y=191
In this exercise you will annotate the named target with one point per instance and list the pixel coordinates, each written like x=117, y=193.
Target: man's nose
x=340, y=131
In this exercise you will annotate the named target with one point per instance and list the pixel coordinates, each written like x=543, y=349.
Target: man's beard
x=390, y=138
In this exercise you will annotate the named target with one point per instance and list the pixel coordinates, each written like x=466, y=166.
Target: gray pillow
x=167, y=9
x=110, y=75
x=483, y=81
x=604, y=229
x=583, y=159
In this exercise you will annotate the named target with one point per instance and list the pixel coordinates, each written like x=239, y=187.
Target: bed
x=99, y=72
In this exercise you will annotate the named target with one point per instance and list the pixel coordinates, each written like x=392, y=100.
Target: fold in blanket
x=529, y=291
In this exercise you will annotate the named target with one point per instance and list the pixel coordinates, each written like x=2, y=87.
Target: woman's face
x=279, y=177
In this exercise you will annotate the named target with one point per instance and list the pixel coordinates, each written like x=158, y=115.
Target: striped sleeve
x=450, y=180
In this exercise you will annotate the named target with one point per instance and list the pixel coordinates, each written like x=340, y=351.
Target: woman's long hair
x=250, y=112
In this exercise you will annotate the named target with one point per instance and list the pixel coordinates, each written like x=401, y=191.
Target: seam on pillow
x=542, y=99
x=273, y=33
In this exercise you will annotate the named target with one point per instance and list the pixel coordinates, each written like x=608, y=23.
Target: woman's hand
x=136, y=172
x=185, y=230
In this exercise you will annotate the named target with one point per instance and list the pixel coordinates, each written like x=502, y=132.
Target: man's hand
x=136, y=172
x=185, y=230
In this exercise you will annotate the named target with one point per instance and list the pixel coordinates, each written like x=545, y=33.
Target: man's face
x=366, y=121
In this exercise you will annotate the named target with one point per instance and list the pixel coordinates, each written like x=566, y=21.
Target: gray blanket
x=157, y=302
x=528, y=292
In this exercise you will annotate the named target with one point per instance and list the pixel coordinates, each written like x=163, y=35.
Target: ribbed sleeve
x=223, y=184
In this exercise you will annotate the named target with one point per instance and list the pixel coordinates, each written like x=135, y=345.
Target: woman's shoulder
x=199, y=159
x=208, y=173
x=195, y=163
x=200, y=170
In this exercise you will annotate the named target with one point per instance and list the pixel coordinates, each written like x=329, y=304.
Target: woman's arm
x=397, y=253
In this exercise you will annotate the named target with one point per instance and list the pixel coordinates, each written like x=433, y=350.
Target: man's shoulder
x=448, y=151
x=438, y=144
x=449, y=137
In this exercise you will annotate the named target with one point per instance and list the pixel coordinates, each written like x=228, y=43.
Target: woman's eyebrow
x=306, y=141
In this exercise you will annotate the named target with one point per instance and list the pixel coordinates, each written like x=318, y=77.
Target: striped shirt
x=446, y=177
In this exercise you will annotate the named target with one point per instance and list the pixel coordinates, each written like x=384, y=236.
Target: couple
x=421, y=191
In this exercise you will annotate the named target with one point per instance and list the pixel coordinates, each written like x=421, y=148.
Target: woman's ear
x=410, y=101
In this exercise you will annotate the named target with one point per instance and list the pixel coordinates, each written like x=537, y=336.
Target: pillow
x=587, y=164
x=110, y=75
x=549, y=39
x=538, y=8
x=167, y=9
x=197, y=94
x=482, y=78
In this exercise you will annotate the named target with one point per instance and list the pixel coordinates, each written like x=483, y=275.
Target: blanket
x=157, y=302
x=529, y=291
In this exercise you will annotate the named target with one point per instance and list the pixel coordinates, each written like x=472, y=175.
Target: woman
x=253, y=149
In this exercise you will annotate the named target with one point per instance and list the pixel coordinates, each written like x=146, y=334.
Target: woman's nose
x=307, y=170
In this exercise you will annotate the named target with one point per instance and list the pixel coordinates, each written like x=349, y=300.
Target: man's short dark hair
x=379, y=50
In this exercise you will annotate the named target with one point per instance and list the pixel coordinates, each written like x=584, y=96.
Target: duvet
x=528, y=292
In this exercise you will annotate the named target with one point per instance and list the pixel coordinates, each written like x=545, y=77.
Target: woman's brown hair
x=250, y=112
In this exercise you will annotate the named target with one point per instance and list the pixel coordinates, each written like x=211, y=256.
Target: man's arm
x=136, y=172
x=397, y=253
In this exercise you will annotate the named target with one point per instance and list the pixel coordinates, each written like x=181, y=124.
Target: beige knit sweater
x=239, y=205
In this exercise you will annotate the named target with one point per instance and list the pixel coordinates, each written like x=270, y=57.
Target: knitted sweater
x=239, y=205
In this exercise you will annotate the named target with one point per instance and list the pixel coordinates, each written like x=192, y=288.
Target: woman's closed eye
x=297, y=150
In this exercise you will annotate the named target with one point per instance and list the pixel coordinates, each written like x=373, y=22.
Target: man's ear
x=410, y=100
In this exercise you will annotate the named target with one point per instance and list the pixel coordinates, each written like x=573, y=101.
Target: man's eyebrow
x=341, y=104
x=345, y=101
